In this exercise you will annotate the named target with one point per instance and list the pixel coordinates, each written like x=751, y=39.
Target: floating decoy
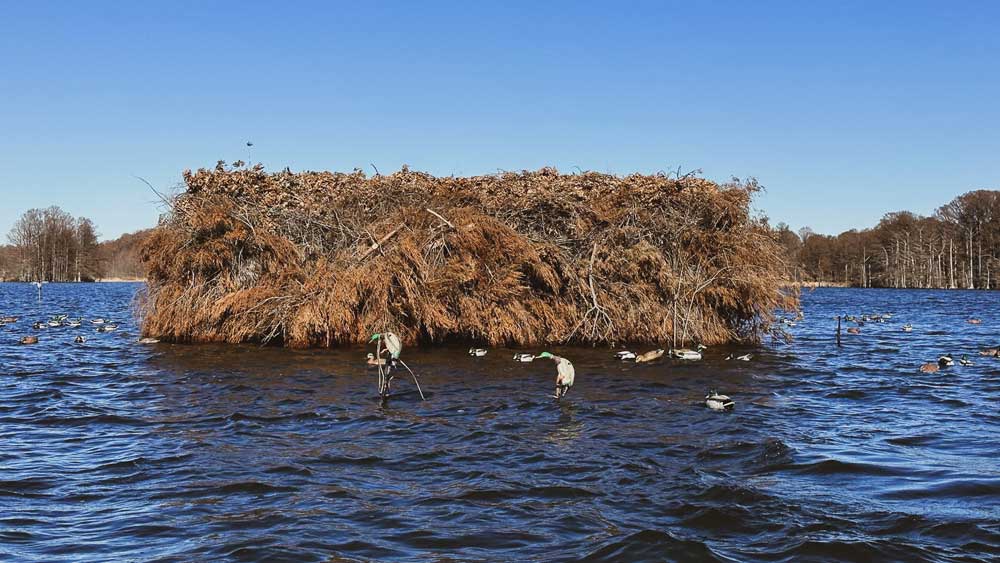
x=372, y=361
x=524, y=358
x=108, y=328
x=965, y=361
x=649, y=356
x=565, y=374
x=152, y=341
x=975, y=321
x=907, y=327
x=743, y=358
x=8, y=320
x=946, y=361
x=995, y=352
x=29, y=340
x=625, y=355
x=687, y=353
x=39, y=326
x=79, y=339
x=97, y=321
x=718, y=402
x=853, y=330
x=54, y=323
x=73, y=323
x=478, y=352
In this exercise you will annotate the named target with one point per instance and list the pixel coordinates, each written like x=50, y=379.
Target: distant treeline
x=956, y=247
x=51, y=245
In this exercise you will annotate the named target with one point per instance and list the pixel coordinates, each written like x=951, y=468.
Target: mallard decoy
x=372, y=361
x=108, y=328
x=79, y=339
x=524, y=358
x=946, y=361
x=995, y=352
x=853, y=330
x=975, y=321
x=625, y=355
x=965, y=361
x=649, y=356
x=907, y=327
x=29, y=340
x=687, y=353
x=8, y=320
x=477, y=352
x=149, y=341
x=743, y=358
x=718, y=402
x=97, y=321
x=565, y=374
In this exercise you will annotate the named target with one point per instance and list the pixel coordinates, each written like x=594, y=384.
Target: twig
x=378, y=244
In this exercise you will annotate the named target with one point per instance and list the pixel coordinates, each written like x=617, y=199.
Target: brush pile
x=319, y=259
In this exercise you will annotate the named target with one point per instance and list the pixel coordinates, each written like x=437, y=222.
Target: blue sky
x=843, y=110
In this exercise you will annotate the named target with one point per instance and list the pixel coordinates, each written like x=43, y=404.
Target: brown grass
x=513, y=258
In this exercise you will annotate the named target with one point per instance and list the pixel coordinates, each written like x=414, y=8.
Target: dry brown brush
x=320, y=259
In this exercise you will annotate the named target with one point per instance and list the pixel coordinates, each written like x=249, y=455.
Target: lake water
x=115, y=450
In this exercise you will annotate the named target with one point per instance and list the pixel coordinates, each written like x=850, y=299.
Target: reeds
x=320, y=259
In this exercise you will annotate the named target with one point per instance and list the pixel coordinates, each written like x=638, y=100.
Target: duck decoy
x=524, y=358
x=79, y=339
x=149, y=341
x=907, y=327
x=743, y=358
x=946, y=361
x=565, y=374
x=965, y=361
x=97, y=321
x=649, y=356
x=975, y=321
x=29, y=340
x=853, y=330
x=995, y=352
x=8, y=320
x=625, y=355
x=718, y=402
x=107, y=328
x=372, y=361
x=477, y=352
x=687, y=353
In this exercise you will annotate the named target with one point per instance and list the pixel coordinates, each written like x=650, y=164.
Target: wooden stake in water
x=38, y=284
x=838, y=331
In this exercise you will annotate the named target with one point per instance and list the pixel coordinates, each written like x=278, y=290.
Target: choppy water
x=113, y=450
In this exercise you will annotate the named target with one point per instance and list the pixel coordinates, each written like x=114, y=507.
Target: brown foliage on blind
x=320, y=258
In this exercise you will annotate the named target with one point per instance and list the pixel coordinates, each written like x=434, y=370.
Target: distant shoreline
x=105, y=280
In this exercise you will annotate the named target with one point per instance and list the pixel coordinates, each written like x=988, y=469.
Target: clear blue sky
x=843, y=110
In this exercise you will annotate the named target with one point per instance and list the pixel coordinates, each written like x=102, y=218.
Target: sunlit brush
x=718, y=402
x=687, y=353
x=649, y=356
x=565, y=374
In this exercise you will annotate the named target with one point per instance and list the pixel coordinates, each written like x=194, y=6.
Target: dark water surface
x=114, y=450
